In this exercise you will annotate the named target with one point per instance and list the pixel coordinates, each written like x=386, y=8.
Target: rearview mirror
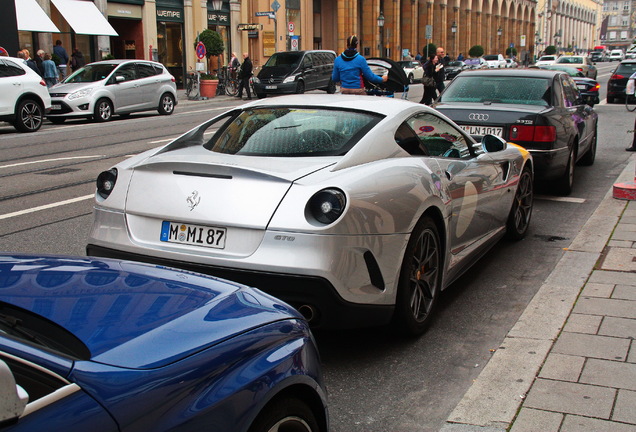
x=493, y=143
x=13, y=398
x=119, y=78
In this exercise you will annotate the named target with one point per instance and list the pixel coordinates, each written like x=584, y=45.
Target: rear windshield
x=499, y=89
x=570, y=60
x=292, y=132
x=91, y=73
x=289, y=60
x=626, y=69
x=491, y=57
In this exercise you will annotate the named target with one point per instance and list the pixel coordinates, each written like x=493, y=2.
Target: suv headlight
x=256, y=80
x=80, y=93
x=289, y=79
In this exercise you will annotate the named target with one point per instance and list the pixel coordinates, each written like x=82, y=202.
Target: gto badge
x=193, y=200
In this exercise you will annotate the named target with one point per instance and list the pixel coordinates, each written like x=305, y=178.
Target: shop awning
x=84, y=17
x=31, y=17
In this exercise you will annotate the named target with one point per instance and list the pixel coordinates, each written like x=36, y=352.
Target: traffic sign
x=200, y=50
x=275, y=5
x=290, y=26
x=429, y=32
x=268, y=13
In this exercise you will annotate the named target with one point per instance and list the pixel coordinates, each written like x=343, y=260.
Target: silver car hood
x=73, y=87
x=196, y=185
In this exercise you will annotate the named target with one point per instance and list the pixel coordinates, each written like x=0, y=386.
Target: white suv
x=24, y=98
x=495, y=61
x=617, y=54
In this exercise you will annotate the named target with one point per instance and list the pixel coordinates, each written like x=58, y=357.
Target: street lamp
x=454, y=28
x=557, y=35
x=499, y=31
x=381, y=26
x=217, y=5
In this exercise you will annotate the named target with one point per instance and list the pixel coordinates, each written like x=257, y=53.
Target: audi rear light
x=532, y=133
x=617, y=77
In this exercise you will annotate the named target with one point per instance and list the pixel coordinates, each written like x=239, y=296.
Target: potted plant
x=214, y=48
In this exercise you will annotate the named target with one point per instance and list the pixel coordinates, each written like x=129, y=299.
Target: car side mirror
x=119, y=79
x=13, y=398
x=493, y=143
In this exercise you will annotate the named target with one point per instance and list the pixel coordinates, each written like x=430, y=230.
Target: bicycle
x=192, y=86
x=227, y=84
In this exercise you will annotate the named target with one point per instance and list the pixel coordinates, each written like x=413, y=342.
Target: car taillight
x=616, y=77
x=579, y=69
x=173, y=79
x=596, y=88
x=532, y=133
x=42, y=83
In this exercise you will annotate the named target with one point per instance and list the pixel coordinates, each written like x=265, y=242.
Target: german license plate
x=483, y=130
x=271, y=87
x=195, y=235
x=56, y=107
x=582, y=86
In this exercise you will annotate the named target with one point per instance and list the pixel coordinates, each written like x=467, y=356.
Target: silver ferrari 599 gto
x=357, y=210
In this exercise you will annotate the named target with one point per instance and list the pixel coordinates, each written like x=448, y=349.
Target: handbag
x=428, y=81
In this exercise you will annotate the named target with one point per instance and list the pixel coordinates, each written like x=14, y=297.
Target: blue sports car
x=105, y=345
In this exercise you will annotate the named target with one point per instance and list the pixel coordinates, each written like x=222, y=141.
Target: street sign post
x=200, y=49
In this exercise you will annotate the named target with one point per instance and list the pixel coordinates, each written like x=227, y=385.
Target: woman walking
x=430, y=89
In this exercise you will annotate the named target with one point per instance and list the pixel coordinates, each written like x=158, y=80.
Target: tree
x=476, y=51
x=432, y=49
x=511, y=51
x=212, y=41
x=550, y=50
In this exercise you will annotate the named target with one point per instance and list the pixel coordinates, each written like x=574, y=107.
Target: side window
x=127, y=71
x=406, y=138
x=145, y=70
x=571, y=94
x=438, y=137
x=8, y=70
x=306, y=61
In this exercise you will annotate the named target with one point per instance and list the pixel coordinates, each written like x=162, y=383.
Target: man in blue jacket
x=350, y=67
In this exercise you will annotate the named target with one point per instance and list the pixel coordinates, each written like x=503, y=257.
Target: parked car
x=413, y=70
x=581, y=63
x=617, y=55
x=495, y=61
x=341, y=206
x=476, y=63
x=24, y=98
x=510, y=63
x=588, y=87
x=454, y=68
x=296, y=72
x=102, y=89
x=541, y=110
x=546, y=60
x=618, y=80
x=598, y=56
x=96, y=344
x=631, y=54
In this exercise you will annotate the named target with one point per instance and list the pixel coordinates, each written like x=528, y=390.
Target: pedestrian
x=234, y=65
x=51, y=73
x=350, y=68
x=60, y=52
x=440, y=74
x=38, y=61
x=460, y=57
x=244, y=77
x=77, y=59
x=430, y=85
x=418, y=57
x=30, y=62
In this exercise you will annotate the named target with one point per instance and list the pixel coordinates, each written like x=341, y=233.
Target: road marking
x=45, y=207
x=50, y=160
x=560, y=199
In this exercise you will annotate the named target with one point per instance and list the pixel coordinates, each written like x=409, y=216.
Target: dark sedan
x=541, y=110
x=588, y=87
x=454, y=68
x=618, y=81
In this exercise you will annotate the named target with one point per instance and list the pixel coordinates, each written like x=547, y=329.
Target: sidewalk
x=569, y=363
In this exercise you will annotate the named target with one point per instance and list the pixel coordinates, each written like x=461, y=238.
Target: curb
x=493, y=400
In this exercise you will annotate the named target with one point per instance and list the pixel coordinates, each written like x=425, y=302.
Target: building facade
x=619, y=20
x=166, y=30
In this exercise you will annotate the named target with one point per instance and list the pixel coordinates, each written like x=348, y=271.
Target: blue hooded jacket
x=349, y=68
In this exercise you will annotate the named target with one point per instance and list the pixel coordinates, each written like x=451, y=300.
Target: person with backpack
x=350, y=68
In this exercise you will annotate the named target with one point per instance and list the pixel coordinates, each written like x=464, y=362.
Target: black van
x=296, y=72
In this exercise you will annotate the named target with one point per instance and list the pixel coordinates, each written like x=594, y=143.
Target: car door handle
x=449, y=176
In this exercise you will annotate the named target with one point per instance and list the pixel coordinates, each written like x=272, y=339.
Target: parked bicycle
x=192, y=85
x=227, y=83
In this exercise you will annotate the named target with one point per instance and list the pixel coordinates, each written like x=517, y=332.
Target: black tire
x=166, y=104
x=103, y=111
x=286, y=415
x=300, y=87
x=56, y=120
x=29, y=116
x=521, y=210
x=566, y=181
x=419, y=285
x=331, y=88
x=590, y=155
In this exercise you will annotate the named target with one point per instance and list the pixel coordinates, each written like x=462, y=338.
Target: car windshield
x=91, y=73
x=285, y=132
x=406, y=64
x=491, y=57
x=500, y=89
x=570, y=60
x=456, y=63
x=546, y=58
x=287, y=60
x=567, y=69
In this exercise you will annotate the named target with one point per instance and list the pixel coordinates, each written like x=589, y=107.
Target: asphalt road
x=377, y=382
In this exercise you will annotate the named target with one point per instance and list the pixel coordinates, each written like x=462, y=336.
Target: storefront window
x=170, y=39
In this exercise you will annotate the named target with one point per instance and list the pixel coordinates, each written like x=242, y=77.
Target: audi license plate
x=195, y=235
x=483, y=130
x=271, y=87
